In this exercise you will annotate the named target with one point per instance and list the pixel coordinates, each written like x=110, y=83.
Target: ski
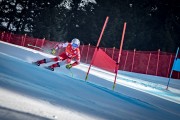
x=49, y=68
x=36, y=63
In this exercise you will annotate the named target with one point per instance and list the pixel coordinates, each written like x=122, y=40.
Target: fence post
x=2, y=35
x=113, y=52
x=43, y=42
x=105, y=50
x=125, y=60
x=8, y=40
x=36, y=43
x=133, y=60
x=82, y=49
x=169, y=66
x=148, y=63
x=23, y=40
x=87, y=53
x=157, y=62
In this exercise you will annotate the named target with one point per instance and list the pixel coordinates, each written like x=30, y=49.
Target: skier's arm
x=61, y=45
x=58, y=46
x=78, y=57
x=69, y=66
x=77, y=61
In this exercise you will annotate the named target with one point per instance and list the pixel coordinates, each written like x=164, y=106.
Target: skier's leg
x=54, y=65
x=52, y=59
x=61, y=58
x=58, y=64
x=64, y=59
x=46, y=60
x=40, y=62
x=68, y=60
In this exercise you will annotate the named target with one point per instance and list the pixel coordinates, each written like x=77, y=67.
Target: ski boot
x=39, y=62
x=51, y=67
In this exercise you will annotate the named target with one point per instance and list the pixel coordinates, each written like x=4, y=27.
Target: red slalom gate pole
x=99, y=40
x=120, y=50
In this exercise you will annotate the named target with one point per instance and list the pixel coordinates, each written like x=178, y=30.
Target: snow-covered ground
x=34, y=93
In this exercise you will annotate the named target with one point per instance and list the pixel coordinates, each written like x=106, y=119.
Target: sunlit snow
x=35, y=93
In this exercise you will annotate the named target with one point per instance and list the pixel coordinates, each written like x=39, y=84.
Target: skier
x=71, y=51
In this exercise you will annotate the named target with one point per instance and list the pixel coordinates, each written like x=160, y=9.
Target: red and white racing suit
x=69, y=54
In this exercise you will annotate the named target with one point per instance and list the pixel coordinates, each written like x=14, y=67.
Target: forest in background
x=151, y=24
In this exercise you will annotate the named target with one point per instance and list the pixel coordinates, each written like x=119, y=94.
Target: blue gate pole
x=172, y=67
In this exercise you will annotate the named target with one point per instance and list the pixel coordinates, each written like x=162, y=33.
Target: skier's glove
x=68, y=66
x=53, y=51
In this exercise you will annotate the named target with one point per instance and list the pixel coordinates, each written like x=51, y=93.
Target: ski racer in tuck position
x=71, y=52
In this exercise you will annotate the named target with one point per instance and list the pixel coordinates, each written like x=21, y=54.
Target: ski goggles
x=74, y=45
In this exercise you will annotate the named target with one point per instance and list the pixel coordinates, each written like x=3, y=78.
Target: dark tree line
x=151, y=24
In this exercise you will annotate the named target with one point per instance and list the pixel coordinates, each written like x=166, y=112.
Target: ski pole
x=48, y=51
x=35, y=47
x=71, y=72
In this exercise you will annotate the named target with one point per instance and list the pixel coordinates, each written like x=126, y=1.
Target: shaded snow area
x=29, y=92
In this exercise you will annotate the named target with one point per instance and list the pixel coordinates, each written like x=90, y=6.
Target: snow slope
x=31, y=92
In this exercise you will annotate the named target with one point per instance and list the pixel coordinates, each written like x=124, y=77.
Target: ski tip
x=35, y=63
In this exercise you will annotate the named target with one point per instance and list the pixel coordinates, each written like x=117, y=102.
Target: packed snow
x=35, y=93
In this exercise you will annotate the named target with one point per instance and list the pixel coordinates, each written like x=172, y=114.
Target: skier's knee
x=48, y=60
x=55, y=59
